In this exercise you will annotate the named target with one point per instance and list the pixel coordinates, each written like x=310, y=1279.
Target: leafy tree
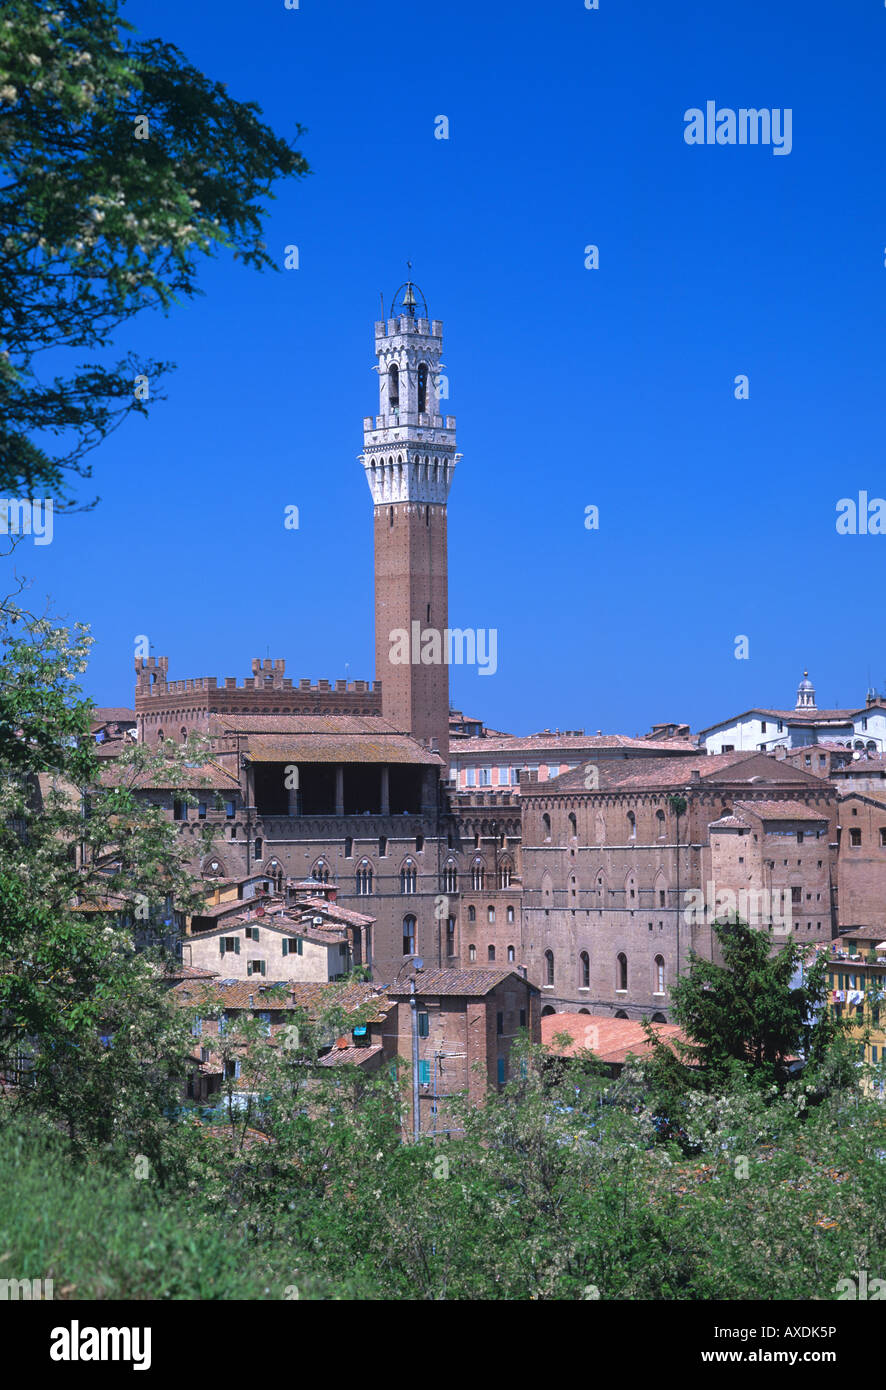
x=76, y=849
x=120, y=165
x=745, y=1015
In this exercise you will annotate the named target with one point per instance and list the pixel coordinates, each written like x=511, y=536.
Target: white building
x=765, y=729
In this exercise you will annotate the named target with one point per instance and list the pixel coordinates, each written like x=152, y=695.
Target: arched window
x=584, y=970
x=660, y=826
x=490, y=953
x=184, y=734
x=349, y=846
x=477, y=875
x=394, y=387
x=548, y=1010
x=419, y=843
x=320, y=871
x=472, y=914
x=259, y=845
x=490, y=913
x=409, y=935
x=510, y=954
x=621, y=971
x=632, y=826
x=472, y=953
x=573, y=825
x=450, y=876
x=505, y=869
x=408, y=877
x=159, y=735
x=422, y=388
x=549, y=967
x=659, y=973
x=364, y=878
x=546, y=826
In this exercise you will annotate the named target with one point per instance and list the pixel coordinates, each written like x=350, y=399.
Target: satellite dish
x=317, y=921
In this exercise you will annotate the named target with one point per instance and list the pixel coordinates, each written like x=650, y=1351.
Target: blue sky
x=571, y=387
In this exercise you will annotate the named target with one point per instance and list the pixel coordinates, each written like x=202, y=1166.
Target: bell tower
x=409, y=457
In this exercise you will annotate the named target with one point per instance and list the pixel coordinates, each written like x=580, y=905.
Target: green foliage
x=745, y=1015
x=81, y=861
x=120, y=166
x=547, y=1194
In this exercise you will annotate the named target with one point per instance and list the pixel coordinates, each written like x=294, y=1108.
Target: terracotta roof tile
x=611, y=1040
x=476, y=980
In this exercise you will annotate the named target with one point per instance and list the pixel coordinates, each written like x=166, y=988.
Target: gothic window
x=549, y=967
x=546, y=826
x=584, y=973
x=477, y=875
x=621, y=971
x=408, y=877
x=259, y=844
x=660, y=824
x=505, y=869
x=659, y=974
x=320, y=871
x=450, y=877
x=394, y=387
x=409, y=935
x=632, y=826
x=422, y=388
x=573, y=825
x=450, y=936
x=364, y=878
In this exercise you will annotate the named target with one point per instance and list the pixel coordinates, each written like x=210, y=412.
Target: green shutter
x=236, y=945
x=221, y=945
x=285, y=945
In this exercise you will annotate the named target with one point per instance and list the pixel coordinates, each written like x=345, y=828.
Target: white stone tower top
x=409, y=447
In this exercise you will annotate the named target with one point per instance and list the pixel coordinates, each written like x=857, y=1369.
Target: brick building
x=862, y=861
x=464, y=1017
x=608, y=918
